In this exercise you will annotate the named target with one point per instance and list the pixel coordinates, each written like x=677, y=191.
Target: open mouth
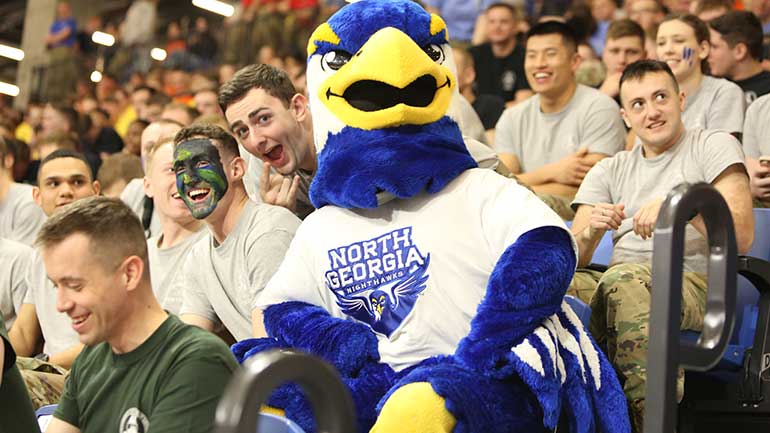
x=77, y=322
x=656, y=125
x=370, y=95
x=197, y=195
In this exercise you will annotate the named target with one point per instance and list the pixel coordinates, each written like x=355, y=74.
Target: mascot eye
x=435, y=52
x=335, y=59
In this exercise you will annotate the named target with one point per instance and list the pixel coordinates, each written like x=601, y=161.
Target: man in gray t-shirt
x=756, y=143
x=225, y=270
x=20, y=217
x=552, y=139
x=624, y=194
x=63, y=177
x=16, y=259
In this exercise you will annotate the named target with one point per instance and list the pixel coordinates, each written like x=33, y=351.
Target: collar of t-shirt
x=150, y=344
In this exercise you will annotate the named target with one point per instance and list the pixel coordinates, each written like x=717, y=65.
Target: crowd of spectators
x=542, y=82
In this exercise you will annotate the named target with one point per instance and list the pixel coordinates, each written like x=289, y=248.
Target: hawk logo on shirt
x=134, y=421
x=377, y=281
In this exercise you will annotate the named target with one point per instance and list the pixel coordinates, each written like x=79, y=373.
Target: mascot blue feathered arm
x=434, y=287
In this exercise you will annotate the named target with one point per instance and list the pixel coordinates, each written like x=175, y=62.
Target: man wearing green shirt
x=141, y=368
x=16, y=415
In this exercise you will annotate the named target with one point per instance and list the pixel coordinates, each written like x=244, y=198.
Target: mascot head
x=381, y=79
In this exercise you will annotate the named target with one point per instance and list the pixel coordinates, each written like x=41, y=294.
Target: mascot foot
x=414, y=408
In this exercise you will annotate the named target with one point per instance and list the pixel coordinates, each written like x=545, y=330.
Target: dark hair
x=740, y=27
x=63, y=153
x=555, y=28
x=158, y=98
x=220, y=136
x=272, y=80
x=700, y=29
x=638, y=70
x=624, y=28
x=113, y=230
x=144, y=87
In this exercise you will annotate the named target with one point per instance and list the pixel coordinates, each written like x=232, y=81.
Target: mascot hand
x=348, y=345
x=245, y=349
x=526, y=286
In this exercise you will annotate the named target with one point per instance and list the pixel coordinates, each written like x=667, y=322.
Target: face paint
x=687, y=53
x=200, y=177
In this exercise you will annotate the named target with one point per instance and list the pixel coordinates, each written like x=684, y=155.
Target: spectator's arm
x=199, y=321
x=733, y=184
x=59, y=426
x=590, y=224
x=66, y=358
x=511, y=161
x=25, y=334
x=759, y=178
x=569, y=170
x=258, y=323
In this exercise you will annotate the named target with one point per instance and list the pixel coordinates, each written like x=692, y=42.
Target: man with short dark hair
x=624, y=45
x=142, y=369
x=20, y=218
x=272, y=122
x=736, y=53
x=552, y=139
x=63, y=178
x=499, y=63
x=624, y=193
x=225, y=270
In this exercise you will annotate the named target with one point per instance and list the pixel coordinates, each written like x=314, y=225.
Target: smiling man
x=63, y=178
x=551, y=140
x=272, y=122
x=179, y=228
x=624, y=194
x=141, y=366
x=624, y=45
x=224, y=271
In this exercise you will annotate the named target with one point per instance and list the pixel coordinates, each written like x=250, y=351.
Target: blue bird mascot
x=434, y=287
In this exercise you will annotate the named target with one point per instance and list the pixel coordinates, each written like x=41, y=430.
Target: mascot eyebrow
x=324, y=39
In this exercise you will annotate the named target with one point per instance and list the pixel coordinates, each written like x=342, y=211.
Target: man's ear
x=97, y=187
x=132, y=269
x=705, y=49
x=237, y=168
x=36, y=196
x=740, y=51
x=147, y=187
x=8, y=161
x=625, y=118
x=298, y=107
x=682, y=100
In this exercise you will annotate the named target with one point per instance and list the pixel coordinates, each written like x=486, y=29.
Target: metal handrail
x=253, y=383
x=666, y=350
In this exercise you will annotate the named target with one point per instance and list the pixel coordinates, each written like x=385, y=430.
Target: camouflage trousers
x=45, y=381
x=620, y=303
x=559, y=204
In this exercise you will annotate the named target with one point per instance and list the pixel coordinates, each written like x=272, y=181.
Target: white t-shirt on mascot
x=414, y=270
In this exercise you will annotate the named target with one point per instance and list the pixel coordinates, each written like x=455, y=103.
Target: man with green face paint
x=226, y=269
x=200, y=177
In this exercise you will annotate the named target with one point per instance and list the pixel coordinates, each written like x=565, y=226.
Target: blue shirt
x=60, y=25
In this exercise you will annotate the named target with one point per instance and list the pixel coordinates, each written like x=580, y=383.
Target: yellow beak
x=390, y=82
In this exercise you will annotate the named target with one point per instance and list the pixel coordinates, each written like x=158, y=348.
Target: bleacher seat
x=44, y=415
x=269, y=423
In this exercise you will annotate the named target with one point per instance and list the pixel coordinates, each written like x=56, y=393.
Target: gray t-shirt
x=56, y=327
x=633, y=180
x=165, y=265
x=718, y=104
x=133, y=196
x=15, y=260
x=221, y=282
x=756, y=129
x=20, y=217
x=591, y=119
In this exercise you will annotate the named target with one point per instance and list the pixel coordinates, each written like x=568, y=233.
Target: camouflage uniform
x=559, y=204
x=620, y=316
x=45, y=381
